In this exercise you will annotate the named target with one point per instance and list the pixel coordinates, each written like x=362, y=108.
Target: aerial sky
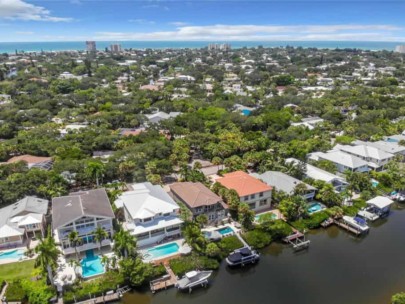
x=202, y=20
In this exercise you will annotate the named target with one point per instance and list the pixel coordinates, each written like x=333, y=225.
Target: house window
x=148, y=219
x=252, y=206
x=246, y=198
x=261, y=194
x=252, y=196
x=263, y=202
x=166, y=214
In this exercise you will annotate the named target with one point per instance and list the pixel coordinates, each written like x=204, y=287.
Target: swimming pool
x=13, y=254
x=225, y=230
x=270, y=214
x=246, y=112
x=374, y=183
x=91, y=265
x=160, y=251
x=314, y=207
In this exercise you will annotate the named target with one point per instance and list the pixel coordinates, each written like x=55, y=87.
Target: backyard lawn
x=16, y=270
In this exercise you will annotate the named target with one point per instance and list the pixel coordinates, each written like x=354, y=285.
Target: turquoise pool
x=374, y=183
x=225, y=230
x=91, y=265
x=160, y=251
x=314, y=207
x=13, y=254
x=246, y=112
x=272, y=216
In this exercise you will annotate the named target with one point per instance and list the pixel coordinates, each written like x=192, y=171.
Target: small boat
x=357, y=223
x=242, y=256
x=366, y=214
x=193, y=278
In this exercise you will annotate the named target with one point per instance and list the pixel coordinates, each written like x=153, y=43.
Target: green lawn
x=16, y=270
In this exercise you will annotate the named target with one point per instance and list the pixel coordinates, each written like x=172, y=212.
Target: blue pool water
x=225, y=230
x=13, y=254
x=91, y=265
x=314, y=207
x=374, y=183
x=391, y=140
x=272, y=215
x=157, y=252
x=246, y=112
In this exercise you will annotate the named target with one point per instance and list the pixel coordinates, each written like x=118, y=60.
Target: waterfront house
x=22, y=220
x=151, y=214
x=82, y=212
x=341, y=160
x=392, y=147
x=376, y=159
x=380, y=205
x=315, y=173
x=200, y=200
x=250, y=190
x=32, y=161
x=281, y=181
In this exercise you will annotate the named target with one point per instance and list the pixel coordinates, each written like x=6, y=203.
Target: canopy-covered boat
x=242, y=256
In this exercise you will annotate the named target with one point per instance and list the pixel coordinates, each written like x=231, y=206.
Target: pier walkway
x=345, y=226
x=164, y=282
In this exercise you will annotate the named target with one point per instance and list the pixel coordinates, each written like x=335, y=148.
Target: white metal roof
x=7, y=231
x=380, y=202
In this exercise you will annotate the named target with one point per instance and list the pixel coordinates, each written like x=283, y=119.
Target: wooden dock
x=108, y=297
x=347, y=227
x=167, y=281
x=297, y=240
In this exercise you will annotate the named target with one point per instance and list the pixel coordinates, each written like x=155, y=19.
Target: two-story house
x=22, y=220
x=375, y=157
x=151, y=214
x=200, y=200
x=281, y=181
x=250, y=190
x=82, y=212
x=343, y=161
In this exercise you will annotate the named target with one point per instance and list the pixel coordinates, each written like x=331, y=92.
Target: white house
x=316, y=173
x=375, y=157
x=342, y=161
x=151, y=214
x=22, y=220
x=82, y=212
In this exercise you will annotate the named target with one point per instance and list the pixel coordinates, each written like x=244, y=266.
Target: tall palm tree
x=95, y=169
x=48, y=255
x=105, y=260
x=75, y=240
x=99, y=235
x=124, y=243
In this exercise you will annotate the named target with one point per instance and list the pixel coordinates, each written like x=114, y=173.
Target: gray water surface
x=337, y=268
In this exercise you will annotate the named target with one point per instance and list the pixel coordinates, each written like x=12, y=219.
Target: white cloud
x=178, y=23
x=265, y=33
x=21, y=10
x=158, y=6
x=141, y=21
x=24, y=33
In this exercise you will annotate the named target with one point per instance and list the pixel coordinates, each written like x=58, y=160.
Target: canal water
x=337, y=268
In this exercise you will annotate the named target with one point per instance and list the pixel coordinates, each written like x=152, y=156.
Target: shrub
x=15, y=292
x=398, y=298
x=278, y=229
x=257, y=238
x=312, y=222
x=212, y=250
x=185, y=264
x=352, y=210
x=229, y=244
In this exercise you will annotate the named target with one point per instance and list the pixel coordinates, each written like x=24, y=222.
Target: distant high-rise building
x=220, y=47
x=91, y=46
x=115, y=48
x=400, y=49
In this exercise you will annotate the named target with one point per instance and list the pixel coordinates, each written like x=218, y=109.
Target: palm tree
x=99, y=235
x=95, y=170
x=105, y=260
x=193, y=236
x=48, y=255
x=75, y=240
x=124, y=243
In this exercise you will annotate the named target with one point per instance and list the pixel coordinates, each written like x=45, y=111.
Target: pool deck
x=183, y=249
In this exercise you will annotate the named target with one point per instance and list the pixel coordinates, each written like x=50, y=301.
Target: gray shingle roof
x=66, y=209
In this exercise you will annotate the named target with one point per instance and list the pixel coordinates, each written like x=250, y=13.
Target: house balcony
x=85, y=247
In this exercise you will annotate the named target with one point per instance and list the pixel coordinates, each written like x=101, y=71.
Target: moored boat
x=242, y=256
x=193, y=278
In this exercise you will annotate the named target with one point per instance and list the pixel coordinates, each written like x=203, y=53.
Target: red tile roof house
x=33, y=161
x=200, y=200
x=251, y=190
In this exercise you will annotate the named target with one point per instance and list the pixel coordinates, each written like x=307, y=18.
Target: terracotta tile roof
x=194, y=194
x=243, y=183
x=29, y=159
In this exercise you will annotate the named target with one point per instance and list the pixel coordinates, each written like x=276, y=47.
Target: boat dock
x=297, y=240
x=164, y=282
x=327, y=223
x=109, y=296
x=345, y=226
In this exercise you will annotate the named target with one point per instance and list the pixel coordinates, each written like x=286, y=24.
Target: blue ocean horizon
x=12, y=47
